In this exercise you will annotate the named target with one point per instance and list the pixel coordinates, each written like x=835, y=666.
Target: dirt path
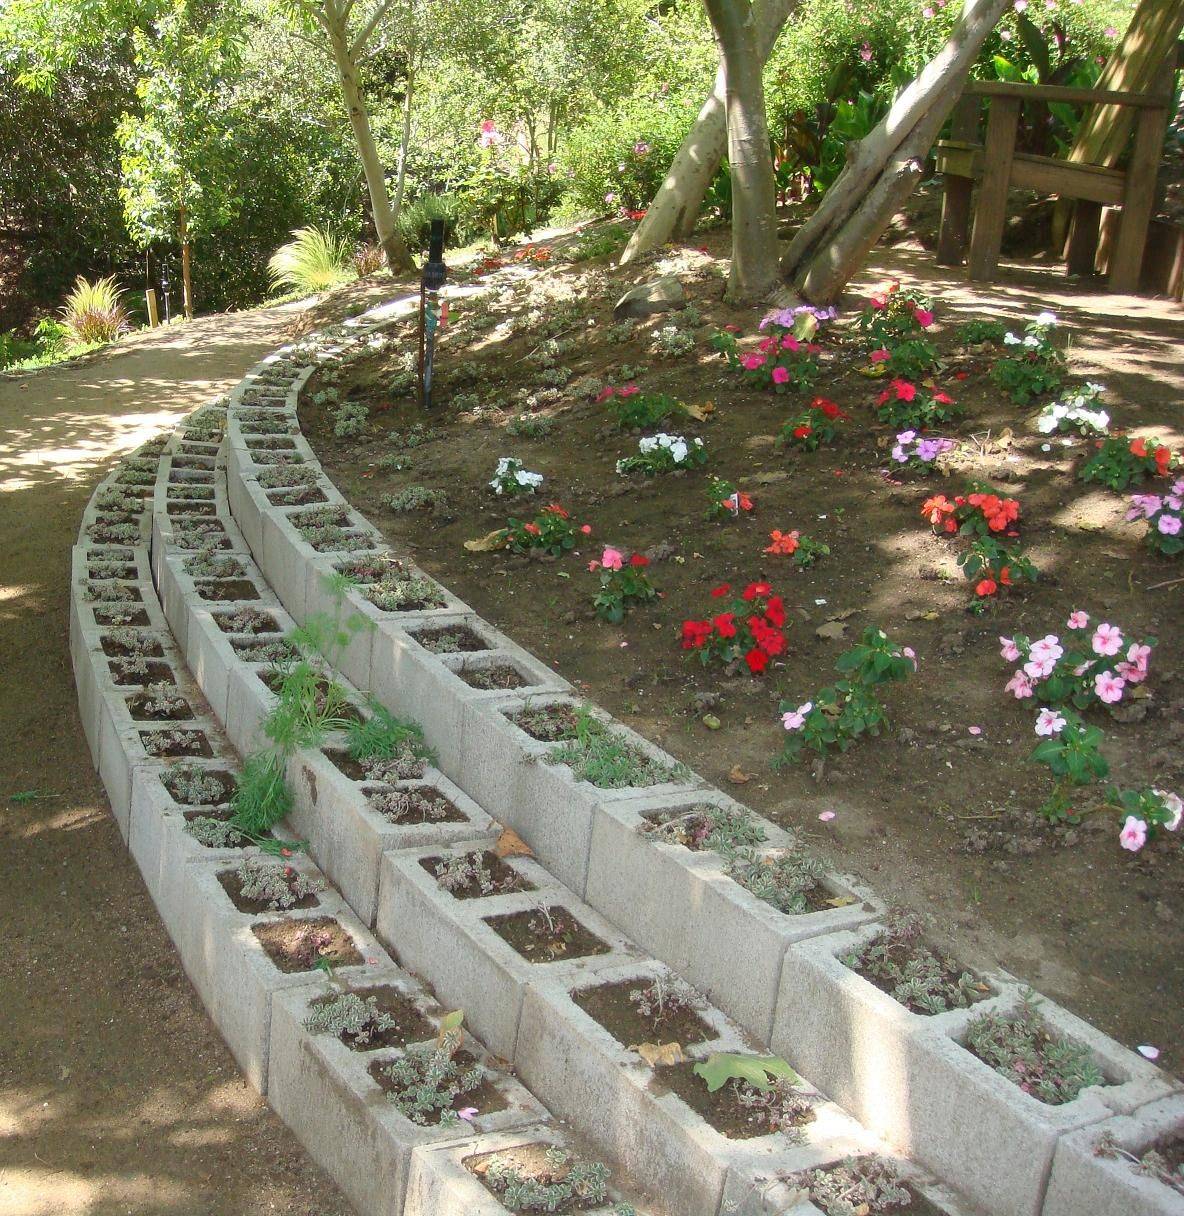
x=116, y=1093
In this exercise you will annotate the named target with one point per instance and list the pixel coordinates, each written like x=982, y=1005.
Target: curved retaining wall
x=776, y=980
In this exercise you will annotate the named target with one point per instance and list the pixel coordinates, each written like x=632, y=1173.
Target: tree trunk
x=397, y=256
x=675, y=208
x=404, y=142
x=754, y=216
x=885, y=166
x=186, y=275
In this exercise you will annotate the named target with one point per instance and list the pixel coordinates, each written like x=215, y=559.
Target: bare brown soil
x=932, y=814
x=609, y=1004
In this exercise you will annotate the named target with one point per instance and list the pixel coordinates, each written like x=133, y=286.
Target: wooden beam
x=991, y=211
x=1063, y=93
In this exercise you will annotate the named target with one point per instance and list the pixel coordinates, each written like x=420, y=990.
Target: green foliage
x=383, y=735
x=758, y=1071
x=638, y=411
x=313, y=260
x=1074, y=758
x=788, y=878
x=93, y=312
x=262, y=798
x=1120, y=462
x=600, y=756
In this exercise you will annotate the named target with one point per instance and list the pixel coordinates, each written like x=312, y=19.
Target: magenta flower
x=1133, y=835
x=1109, y=687
x=628, y=390
x=879, y=356
x=1107, y=639
x=780, y=375
x=751, y=362
x=924, y=317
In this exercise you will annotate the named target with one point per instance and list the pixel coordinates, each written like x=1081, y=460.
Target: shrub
x=93, y=312
x=313, y=260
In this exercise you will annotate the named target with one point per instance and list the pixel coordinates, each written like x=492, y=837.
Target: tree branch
x=363, y=37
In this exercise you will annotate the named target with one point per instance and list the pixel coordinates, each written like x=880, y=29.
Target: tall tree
x=885, y=166
x=754, y=218
x=675, y=207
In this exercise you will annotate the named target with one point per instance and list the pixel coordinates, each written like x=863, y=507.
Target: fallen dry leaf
x=489, y=543
x=832, y=630
x=840, y=901
x=510, y=844
x=701, y=412
x=738, y=776
x=656, y=1054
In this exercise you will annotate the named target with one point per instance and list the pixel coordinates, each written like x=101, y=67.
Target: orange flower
x=1139, y=447
x=784, y=543
x=1163, y=459
x=986, y=586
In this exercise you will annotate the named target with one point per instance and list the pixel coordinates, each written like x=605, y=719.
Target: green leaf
x=723, y=1066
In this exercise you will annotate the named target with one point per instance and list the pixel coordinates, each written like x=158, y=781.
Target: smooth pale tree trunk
x=886, y=165
x=675, y=207
x=754, y=216
x=186, y=262
x=1135, y=67
x=397, y=256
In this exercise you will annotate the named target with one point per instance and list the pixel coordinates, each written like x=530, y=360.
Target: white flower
x=1046, y=318
x=679, y=451
x=1009, y=339
x=1175, y=806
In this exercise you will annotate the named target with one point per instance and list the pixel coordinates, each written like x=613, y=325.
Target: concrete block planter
x=441, y=1180
x=325, y=1092
x=181, y=594
x=348, y=837
x=630, y=1113
x=453, y=945
x=223, y=953
x=1108, y=1184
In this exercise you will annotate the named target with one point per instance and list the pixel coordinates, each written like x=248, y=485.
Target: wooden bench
x=996, y=166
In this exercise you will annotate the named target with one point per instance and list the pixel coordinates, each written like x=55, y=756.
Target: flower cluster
x=1165, y=517
x=1146, y=811
x=1082, y=668
x=1033, y=364
x=751, y=628
x=511, y=477
x=725, y=501
x=893, y=324
x=663, y=453
x=912, y=451
x=1120, y=461
x=903, y=404
x=981, y=512
x=804, y=550
x=1078, y=412
x=623, y=583
x=623, y=391
x=1070, y=750
x=785, y=360
x=839, y=714
x=814, y=426
x=550, y=532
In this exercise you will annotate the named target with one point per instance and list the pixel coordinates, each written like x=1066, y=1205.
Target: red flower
x=961, y=375
x=800, y=432
x=986, y=586
x=757, y=661
x=533, y=529
x=904, y=390
x=639, y=559
x=1138, y=447
x=755, y=589
x=720, y=591
x=628, y=390
x=586, y=529
x=1163, y=458
x=556, y=509
x=725, y=625
x=732, y=329
x=775, y=611
x=743, y=501
x=695, y=633
x=605, y=393
x=829, y=408
x=1005, y=576
x=944, y=398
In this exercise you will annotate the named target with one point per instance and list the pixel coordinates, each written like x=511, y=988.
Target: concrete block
x=347, y=837
x=324, y=1091
x=644, y=1128
x=1082, y=1181
x=450, y=943
x=231, y=970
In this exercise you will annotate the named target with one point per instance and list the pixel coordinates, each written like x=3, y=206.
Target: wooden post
x=955, y=202
x=1081, y=251
x=1138, y=200
x=153, y=312
x=991, y=212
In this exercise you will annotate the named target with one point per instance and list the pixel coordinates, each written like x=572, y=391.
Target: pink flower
x=467, y=1113
x=1169, y=525
x=910, y=654
x=780, y=375
x=1019, y=686
x=795, y=719
x=879, y=356
x=923, y=316
x=490, y=135
x=1137, y=659
x=1107, y=639
x=1144, y=506
x=612, y=559
x=1020, y=5
x=628, y=390
x=1133, y=835
x=865, y=52
x=827, y=816
x=751, y=362
x=1008, y=649
x=605, y=393
x=1077, y=619
x=1049, y=722
x=927, y=13
x=1042, y=658
x=1175, y=807
x=1109, y=687
x=789, y=342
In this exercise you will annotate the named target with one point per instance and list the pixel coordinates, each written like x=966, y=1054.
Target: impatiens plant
x=1165, y=519
x=751, y=628
x=894, y=325
x=623, y=584
x=903, y=404
x=785, y=360
x=991, y=567
x=724, y=501
x=1144, y=813
x=664, y=454
x=551, y=532
x=635, y=410
x=511, y=477
x=1034, y=364
x=918, y=453
x=979, y=333
x=804, y=550
x=986, y=518
x=812, y=427
x=1078, y=411
x=1082, y=668
x=1121, y=461
x=839, y=714
x=1070, y=750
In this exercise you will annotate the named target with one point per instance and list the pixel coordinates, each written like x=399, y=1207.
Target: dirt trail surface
x=116, y=1093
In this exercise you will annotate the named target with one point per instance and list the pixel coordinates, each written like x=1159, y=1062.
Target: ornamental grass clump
x=1022, y=1047
x=93, y=312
